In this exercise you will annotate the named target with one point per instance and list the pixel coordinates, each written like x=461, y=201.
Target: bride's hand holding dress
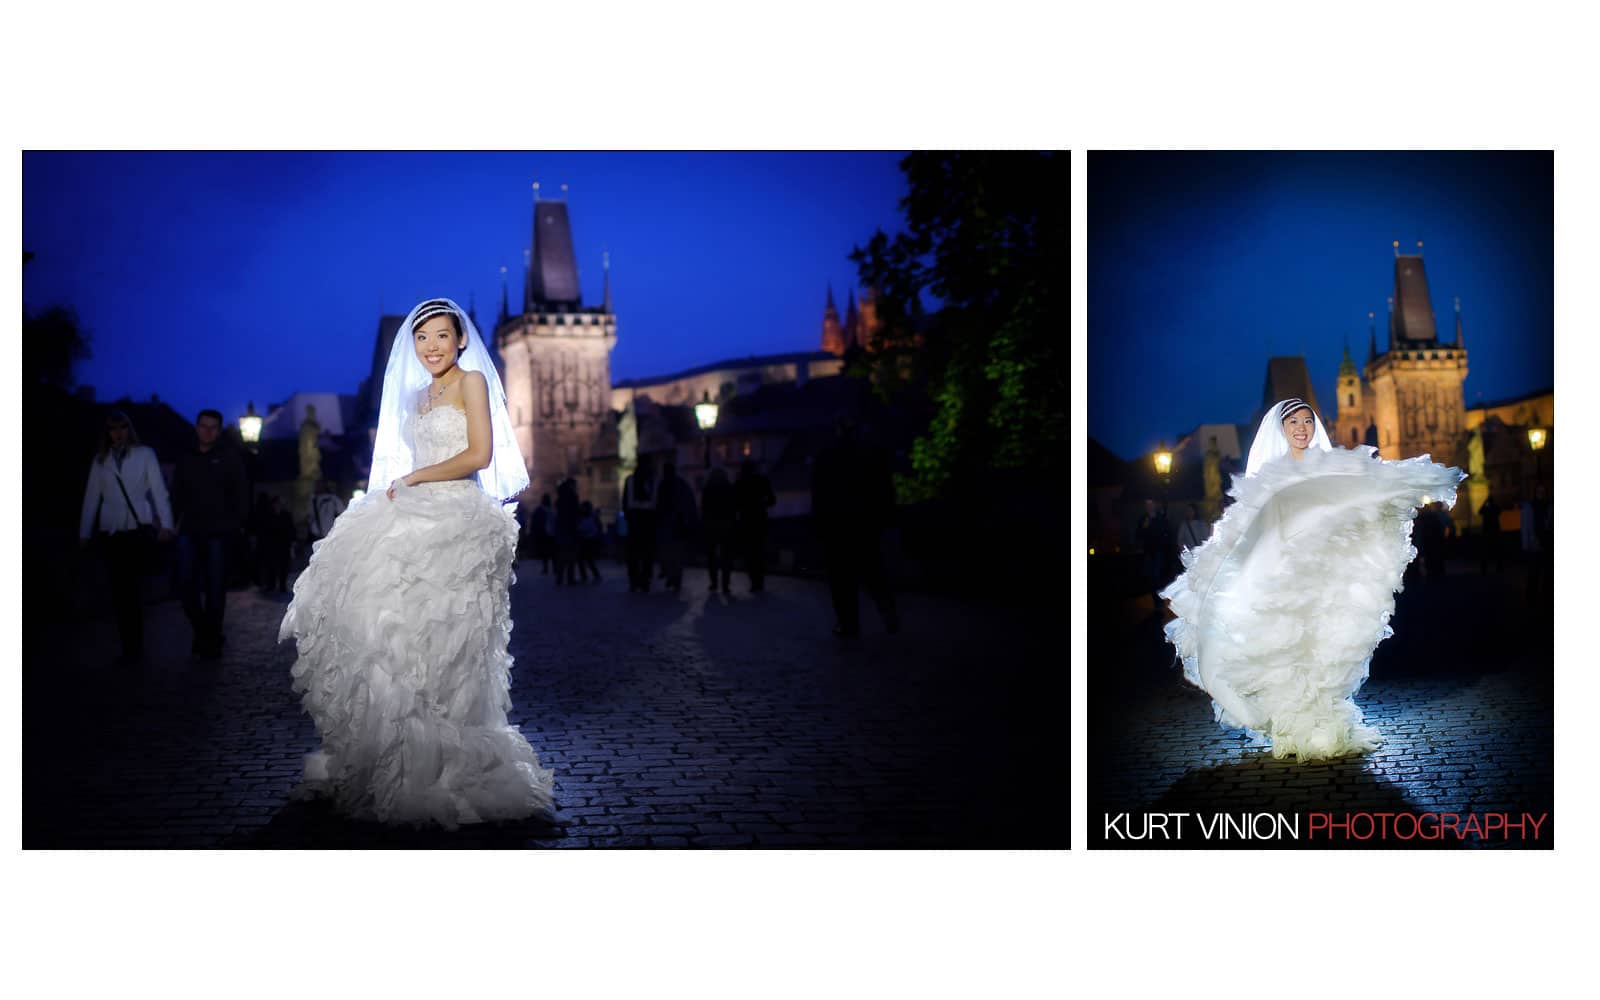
x=402, y=621
x=1279, y=611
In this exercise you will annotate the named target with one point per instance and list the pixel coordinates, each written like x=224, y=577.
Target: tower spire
x=1372, y=338
x=505, y=305
x=832, y=334
x=605, y=266
x=1460, y=342
x=1390, y=345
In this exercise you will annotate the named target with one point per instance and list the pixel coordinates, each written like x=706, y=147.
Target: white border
x=825, y=75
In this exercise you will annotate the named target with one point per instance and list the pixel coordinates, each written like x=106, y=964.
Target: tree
x=986, y=240
x=53, y=342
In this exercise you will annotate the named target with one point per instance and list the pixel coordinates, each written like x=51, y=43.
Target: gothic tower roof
x=1288, y=378
x=852, y=321
x=371, y=402
x=553, y=272
x=1347, y=367
x=1413, y=310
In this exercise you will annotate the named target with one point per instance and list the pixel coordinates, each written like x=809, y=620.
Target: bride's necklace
x=434, y=396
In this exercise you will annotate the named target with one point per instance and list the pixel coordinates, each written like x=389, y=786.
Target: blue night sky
x=1202, y=265
x=214, y=279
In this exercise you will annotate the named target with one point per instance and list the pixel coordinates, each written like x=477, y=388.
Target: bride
x=1279, y=611
x=403, y=618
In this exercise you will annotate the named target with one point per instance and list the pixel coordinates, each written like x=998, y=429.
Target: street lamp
x=1537, y=439
x=1163, y=461
x=250, y=427
x=705, y=414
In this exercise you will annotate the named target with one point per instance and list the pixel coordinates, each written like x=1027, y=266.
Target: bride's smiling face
x=1299, y=427
x=438, y=343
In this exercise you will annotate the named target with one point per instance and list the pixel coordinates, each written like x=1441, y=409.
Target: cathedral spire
x=1460, y=343
x=605, y=266
x=852, y=320
x=1390, y=345
x=1347, y=367
x=832, y=333
x=505, y=303
x=1372, y=339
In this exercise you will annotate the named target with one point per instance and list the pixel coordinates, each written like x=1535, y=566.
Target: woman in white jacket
x=124, y=492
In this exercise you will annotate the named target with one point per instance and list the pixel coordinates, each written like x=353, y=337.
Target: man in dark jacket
x=753, y=496
x=210, y=497
x=852, y=503
x=718, y=513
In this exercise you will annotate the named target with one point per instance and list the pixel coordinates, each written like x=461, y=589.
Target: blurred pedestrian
x=276, y=541
x=1155, y=537
x=676, y=521
x=124, y=500
x=589, y=538
x=256, y=529
x=322, y=509
x=852, y=504
x=639, y=514
x=543, y=526
x=566, y=532
x=209, y=498
x=753, y=497
x=1431, y=529
x=1194, y=530
x=1490, y=541
x=719, y=507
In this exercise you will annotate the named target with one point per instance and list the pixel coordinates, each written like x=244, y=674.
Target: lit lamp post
x=1163, y=460
x=1537, y=439
x=250, y=427
x=705, y=414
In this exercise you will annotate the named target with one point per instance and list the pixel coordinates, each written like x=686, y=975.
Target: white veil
x=403, y=380
x=1271, y=443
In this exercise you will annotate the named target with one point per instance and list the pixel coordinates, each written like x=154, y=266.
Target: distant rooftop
x=754, y=361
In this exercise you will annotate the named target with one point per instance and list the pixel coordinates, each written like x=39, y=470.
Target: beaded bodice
x=439, y=436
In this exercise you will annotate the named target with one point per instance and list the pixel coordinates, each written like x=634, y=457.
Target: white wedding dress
x=1279, y=611
x=403, y=620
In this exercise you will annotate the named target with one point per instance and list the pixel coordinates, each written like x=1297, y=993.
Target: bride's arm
x=480, y=438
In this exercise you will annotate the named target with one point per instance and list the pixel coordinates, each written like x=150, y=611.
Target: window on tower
x=1352, y=399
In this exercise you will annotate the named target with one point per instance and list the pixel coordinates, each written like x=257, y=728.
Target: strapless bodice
x=439, y=436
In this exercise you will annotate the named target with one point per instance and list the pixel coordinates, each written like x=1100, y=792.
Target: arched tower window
x=1352, y=400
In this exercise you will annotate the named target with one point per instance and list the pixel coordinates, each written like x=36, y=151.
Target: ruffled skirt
x=403, y=624
x=1279, y=611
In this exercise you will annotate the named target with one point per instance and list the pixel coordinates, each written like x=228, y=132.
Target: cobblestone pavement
x=670, y=721
x=1461, y=693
